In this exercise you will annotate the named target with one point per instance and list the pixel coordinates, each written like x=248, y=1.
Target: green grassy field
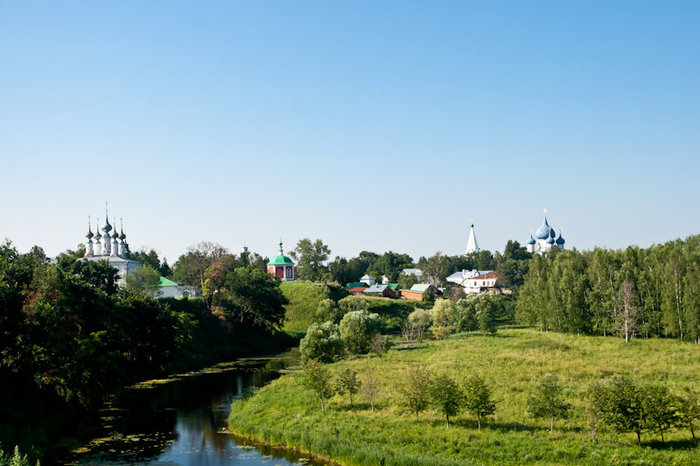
x=512, y=361
x=303, y=301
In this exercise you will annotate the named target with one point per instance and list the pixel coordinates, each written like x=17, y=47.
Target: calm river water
x=181, y=422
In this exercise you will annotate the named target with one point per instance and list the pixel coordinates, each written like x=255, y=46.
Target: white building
x=112, y=247
x=475, y=281
x=545, y=239
x=369, y=279
x=472, y=245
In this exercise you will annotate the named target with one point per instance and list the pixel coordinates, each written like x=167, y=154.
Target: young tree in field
x=347, y=382
x=547, y=401
x=420, y=321
x=598, y=398
x=322, y=342
x=370, y=387
x=379, y=344
x=659, y=409
x=446, y=395
x=688, y=413
x=623, y=406
x=443, y=314
x=319, y=380
x=477, y=398
x=414, y=388
x=486, y=314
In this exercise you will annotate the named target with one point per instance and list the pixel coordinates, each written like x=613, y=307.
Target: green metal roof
x=281, y=260
x=394, y=286
x=165, y=282
x=356, y=285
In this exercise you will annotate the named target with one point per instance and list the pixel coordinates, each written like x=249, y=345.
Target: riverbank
x=286, y=413
x=157, y=421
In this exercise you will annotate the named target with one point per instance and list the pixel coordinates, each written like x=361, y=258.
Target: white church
x=111, y=246
x=546, y=238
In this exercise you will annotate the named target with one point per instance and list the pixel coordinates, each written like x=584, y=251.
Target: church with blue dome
x=546, y=238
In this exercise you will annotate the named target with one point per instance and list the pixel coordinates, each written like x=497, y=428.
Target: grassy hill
x=512, y=361
x=303, y=301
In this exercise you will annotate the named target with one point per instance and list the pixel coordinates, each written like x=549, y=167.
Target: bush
x=444, y=314
x=357, y=330
x=322, y=342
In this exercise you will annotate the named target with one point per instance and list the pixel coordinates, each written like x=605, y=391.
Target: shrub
x=322, y=342
x=357, y=330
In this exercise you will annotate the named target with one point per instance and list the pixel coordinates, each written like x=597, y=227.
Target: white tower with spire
x=472, y=245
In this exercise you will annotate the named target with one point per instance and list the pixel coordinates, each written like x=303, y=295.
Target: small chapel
x=282, y=267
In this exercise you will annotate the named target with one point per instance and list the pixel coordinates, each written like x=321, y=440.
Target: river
x=181, y=422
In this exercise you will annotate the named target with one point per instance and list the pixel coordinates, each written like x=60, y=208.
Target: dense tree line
x=69, y=336
x=313, y=264
x=643, y=292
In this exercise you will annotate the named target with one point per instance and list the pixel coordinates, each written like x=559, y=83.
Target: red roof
x=486, y=276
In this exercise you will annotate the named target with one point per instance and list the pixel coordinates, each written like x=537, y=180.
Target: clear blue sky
x=371, y=125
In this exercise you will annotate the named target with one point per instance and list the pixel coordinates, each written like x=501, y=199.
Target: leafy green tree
x=547, y=401
x=254, y=297
x=149, y=258
x=328, y=310
x=322, y=342
x=406, y=281
x=357, y=328
x=353, y=303
x=623, y=407
x=443, y=314
x=446, y=395
x=311, y=257
x=465, y=314
x=659, y=408
x=477, y=398
x=436, y=268
x=419, y=320
x=688, y=413
x=390, y=264
x=486, y=313
x=190, y=268
x=144, y=280
x=347, y=382
x=317, y=378
x=414, y=388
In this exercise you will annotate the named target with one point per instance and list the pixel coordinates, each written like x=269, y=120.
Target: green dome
x=281, y=260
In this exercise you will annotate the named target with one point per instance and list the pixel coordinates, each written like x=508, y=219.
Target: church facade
x=111, y=246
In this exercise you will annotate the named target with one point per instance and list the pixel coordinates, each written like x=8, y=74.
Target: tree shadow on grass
x=686, y=444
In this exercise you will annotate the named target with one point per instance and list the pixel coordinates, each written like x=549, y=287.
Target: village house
x=417, y=291
x=476, y=281
x=380, y=290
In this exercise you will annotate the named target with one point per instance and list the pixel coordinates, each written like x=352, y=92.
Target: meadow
x=511, y=361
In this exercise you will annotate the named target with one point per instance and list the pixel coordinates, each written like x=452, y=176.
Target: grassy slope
x=303, y=301
x=284, y=412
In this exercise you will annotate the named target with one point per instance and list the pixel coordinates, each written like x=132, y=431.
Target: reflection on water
x=180, y=423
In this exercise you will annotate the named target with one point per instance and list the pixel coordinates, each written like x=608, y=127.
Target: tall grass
x=511, y=362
